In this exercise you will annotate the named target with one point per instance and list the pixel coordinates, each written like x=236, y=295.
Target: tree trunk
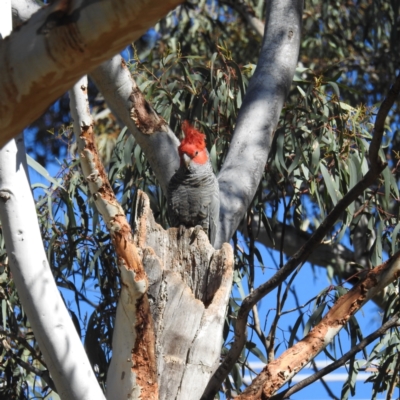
x=56, y=334
x=64, y=44
x=189, y=288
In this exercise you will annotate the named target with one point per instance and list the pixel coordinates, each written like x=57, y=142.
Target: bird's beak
x=186, y=160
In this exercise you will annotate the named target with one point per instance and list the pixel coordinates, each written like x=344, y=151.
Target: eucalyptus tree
x=312, y=146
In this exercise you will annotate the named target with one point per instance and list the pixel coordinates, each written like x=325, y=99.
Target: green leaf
x=4, y=312
x=386, y=176
x=237, y=377
x=42, y=171
x=395, y=235
x=315, y=318
x=294, y=164
x=335, y=88
x=330, y=185
x=280, y=140
x=252, y=347
x=294, y=330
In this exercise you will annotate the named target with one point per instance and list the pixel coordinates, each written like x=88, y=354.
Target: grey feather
x=193, y=198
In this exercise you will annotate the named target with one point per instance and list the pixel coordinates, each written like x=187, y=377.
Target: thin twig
x=394, y=321
x=324, y=384
x=258, y=330
x=248, y=14
x=25, y=343
x=377, y=165
x=44, y=374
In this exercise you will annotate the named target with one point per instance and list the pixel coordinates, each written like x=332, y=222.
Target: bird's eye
x=196, y=153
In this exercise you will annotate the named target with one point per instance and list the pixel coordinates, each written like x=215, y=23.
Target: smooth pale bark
x=22, y=10
x=152, y=133
x=56, y=334
x=242, y=170
x=58, y=339
x=121, y=93
x=132, y=372
x=66, y=40
x=281, y=370
x=189, y=288
x=5, y=18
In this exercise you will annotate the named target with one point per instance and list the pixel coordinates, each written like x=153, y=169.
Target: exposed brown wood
x=278, y=372
x=133, y=277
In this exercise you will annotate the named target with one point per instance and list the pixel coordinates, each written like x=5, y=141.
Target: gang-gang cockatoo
x=193, y=192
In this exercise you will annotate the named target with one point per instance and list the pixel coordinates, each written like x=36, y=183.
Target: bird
x=193, y=191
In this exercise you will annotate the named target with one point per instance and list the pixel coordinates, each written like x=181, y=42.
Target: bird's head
x=193, y=147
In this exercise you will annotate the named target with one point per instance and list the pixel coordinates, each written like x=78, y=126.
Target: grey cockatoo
x=193, y=192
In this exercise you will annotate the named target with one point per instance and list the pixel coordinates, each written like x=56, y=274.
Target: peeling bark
x=132, y=371
x=127, y=102
x=279, y=371
x=377, y=165
x=54, y=330
x=189, y=288
x=341, y=361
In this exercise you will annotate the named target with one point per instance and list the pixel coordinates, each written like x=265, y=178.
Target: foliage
x=199, y=70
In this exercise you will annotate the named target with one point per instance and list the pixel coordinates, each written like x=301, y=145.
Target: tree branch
x=247, y=12
x=133, y=337
x=342, y=259
x=54, y=68
x=39, y=295
x=325, y=255
x=394, y=321
x=376, y=167
x=281, y=370
x=127, y=102
x=44, y=374
x=250, y=145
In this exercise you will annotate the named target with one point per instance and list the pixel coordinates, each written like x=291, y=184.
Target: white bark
x=22, y=10
x=5, y=19
x=123, y=378
x=66, y=39
x=50, y=321
x=152, y=133
x=242, y=170
x=189, y=288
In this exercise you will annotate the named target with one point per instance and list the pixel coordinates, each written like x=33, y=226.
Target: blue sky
x=309, y=282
